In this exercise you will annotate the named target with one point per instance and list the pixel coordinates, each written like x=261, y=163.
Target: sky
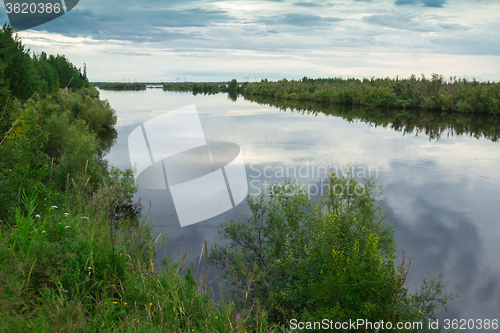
x=191, y=40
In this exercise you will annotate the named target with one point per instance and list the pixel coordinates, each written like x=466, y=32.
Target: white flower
x=54, y=207
x=84, y=217
x=66, y=227
x=43, y=231
x=66, y=214
x=37, y=215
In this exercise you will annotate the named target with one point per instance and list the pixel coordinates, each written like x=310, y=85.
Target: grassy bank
x=80, y=267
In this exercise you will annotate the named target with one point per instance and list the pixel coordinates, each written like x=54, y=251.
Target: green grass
x=75, y=269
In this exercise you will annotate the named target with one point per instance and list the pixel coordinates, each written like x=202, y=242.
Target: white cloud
x=220, y=40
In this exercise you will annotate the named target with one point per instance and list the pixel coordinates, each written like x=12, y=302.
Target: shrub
x=333, y=260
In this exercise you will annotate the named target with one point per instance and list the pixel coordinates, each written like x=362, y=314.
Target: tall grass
x=79, y=266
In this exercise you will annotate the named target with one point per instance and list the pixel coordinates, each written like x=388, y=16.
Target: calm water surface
x=443, y=195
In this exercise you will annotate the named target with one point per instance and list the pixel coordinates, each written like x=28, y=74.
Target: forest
x=78, y=251
x=120, y=86
x=434, y=93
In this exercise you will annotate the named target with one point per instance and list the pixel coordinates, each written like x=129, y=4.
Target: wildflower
x=216, y=317
x=43, y=231
x=66, y=214
x=84, y=217
x=115, y=302
x=125, y=303
x=66, y=227
x=238, y=317
x=150, y=304
x=53, y=207
x=37, y=215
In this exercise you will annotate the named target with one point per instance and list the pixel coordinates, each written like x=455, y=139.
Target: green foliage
x=434, y=94
x=120, y=86
x=56, y=72
x=198, y=88
x=50, y=142
x=232, y=85
x=335, y=260
x=18, y=73
x=25, y=76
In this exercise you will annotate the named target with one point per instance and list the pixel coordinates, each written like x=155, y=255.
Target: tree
x=19, y=75
x=232, y=85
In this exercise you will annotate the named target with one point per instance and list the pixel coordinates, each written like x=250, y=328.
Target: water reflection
x=432, y=124
x=107, y=139
x=437, y=237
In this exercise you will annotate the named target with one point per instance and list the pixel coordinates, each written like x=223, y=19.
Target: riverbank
x=435, y=94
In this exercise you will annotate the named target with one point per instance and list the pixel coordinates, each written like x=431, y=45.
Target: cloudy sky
x=174, y=40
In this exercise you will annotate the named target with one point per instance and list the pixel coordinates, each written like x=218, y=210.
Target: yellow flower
x=125, y=303
x=115, y=302
x=150, y=304
x=216, y=317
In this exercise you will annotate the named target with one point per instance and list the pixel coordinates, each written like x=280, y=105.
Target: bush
x=333, y=260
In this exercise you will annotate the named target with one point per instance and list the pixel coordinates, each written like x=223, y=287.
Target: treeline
x=420, y=122
x=435, y=93
x=23, y=76
x=197, y=88
x=120, y=86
